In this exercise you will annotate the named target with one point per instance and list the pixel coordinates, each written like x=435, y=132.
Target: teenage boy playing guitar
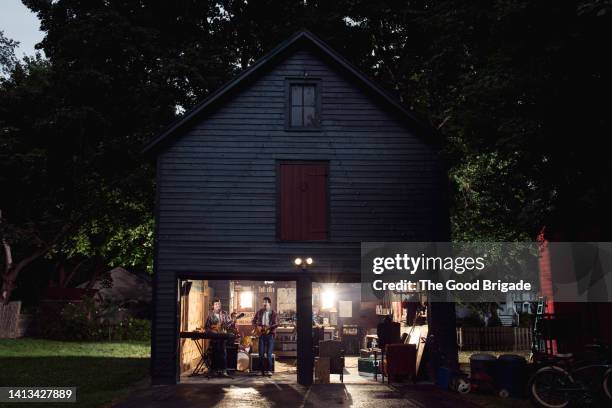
x=216, y=322
x=265, y=327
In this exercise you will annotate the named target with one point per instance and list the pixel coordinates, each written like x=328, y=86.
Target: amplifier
x=254, y=364
x=232, y=356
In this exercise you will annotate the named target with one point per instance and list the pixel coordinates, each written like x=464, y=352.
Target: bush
x=75, y=321
x=472, y=320
x=132, y=329
x=494, y=321
x=85, y=321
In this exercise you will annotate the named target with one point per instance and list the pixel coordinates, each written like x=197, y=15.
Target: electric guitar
x=222, y=328
x=264, y=330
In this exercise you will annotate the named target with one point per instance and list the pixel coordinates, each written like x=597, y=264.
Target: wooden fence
x=9, y=320
x=494, y=338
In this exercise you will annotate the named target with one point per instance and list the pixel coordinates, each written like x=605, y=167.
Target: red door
x=303, y=201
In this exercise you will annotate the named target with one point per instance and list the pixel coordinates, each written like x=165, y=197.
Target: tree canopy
x=516, y=89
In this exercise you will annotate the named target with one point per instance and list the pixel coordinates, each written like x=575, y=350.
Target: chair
x=400, y=361
x=388, y=333
x=333, y=350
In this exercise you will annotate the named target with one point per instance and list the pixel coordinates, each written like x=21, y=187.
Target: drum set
x=246, y=344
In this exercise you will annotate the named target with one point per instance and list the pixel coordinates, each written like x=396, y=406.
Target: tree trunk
x=9, y=274
x=11, y=269
x=64, y=278
x=6, y=286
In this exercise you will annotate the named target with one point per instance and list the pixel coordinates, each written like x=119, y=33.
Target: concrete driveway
x=272, y=394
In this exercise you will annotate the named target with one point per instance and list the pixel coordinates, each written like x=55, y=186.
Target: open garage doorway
x=345, y=328
x=200, y=358
x=350, y=334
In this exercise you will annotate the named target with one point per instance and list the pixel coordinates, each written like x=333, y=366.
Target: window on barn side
x=303, y=106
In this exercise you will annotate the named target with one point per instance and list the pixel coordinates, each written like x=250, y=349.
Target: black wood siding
x=217, y=189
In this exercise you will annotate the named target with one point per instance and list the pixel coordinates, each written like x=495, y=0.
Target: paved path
x=271, y=394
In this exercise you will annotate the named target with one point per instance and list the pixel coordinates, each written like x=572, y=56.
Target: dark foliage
x=518, y=89
x=86, y=321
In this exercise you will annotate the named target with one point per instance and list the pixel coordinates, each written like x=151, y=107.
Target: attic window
x=303, y=112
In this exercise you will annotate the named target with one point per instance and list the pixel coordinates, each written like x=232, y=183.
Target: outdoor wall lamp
x=301, y=262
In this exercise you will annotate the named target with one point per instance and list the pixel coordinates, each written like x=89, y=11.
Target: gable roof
x=299, y=39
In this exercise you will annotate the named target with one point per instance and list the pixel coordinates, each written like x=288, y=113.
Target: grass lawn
x=101, y=371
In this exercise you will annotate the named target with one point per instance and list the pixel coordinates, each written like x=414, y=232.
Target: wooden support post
x=305, y=357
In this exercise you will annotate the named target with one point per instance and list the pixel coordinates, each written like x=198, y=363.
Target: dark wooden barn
x=300, y=155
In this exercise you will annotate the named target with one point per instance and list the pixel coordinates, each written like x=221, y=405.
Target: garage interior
x=338, y=313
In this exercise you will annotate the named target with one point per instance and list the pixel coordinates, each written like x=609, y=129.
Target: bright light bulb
x=328, y=299
x=298, y=261
x=309, y=261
